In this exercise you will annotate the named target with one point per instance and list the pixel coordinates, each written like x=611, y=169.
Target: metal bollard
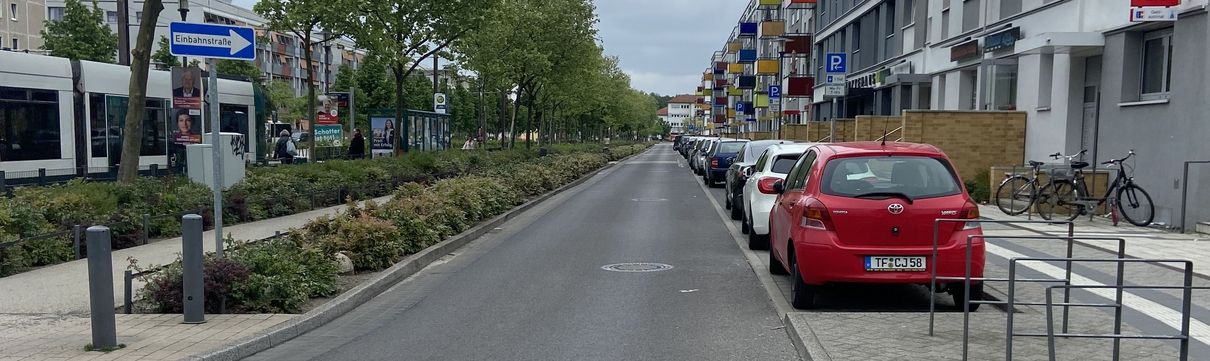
x=75, y=243
x=100, y=288
x=41, y=176
x=191, y=261
x=146, y=223
x=127, y=291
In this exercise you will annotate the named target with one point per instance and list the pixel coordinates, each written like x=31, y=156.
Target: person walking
x=357, y=146
x=469, y=145
x=284, y=150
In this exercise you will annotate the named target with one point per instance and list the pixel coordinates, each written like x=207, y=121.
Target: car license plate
x=894, y=263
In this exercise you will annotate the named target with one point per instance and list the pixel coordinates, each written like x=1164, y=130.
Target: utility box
x=200, y=159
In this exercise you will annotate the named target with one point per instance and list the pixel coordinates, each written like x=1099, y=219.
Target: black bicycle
x=1070, y=194
x=1017, y=193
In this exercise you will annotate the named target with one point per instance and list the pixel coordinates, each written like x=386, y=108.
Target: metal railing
x=45, y=176
x=933, y=278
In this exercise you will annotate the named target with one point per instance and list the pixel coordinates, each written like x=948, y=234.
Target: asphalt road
x=535, y=288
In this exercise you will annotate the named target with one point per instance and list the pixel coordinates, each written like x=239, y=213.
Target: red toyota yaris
x=864, y=212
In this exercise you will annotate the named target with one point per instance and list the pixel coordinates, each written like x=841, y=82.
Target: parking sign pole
x=217, y=183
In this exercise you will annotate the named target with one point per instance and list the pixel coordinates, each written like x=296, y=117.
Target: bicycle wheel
x=1135, y=205
x=1015, y=195
x=1058, y=198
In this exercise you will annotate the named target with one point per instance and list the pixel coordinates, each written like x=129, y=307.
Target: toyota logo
x=895, y=208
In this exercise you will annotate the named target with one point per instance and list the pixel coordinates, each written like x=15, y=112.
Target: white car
x=758, y=198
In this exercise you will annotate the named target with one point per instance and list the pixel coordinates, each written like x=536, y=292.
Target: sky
x=664, y=45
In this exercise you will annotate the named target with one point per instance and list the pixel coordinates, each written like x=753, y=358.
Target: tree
x=406, y=32
x=163, y=57
x=140, y=61
x=242, y=68
x=282, y=99
x=303, y=18
x=81, y=34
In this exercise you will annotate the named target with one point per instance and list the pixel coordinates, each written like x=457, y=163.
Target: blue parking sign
x=836, y=62
x=775, y=91
x=739, y=107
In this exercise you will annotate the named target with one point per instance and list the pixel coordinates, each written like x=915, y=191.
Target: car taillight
x=969, y=211
x=714, y=163
x=816, y=216
x=765, y=185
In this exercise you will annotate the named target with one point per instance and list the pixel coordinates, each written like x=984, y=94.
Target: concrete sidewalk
x=63, y=288
x=1141, y=242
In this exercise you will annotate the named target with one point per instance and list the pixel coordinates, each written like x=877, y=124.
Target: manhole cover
x=649, y=199
x=637, y=267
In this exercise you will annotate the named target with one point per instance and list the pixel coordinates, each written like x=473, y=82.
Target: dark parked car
x=736, y=177
x=718, y=159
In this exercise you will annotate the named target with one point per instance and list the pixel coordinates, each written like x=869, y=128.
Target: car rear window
x=784, y=163
x=914, y=176
x=730, y=147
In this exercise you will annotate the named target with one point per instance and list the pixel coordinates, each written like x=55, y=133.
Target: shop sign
x=965, y=51
x=1001, y=39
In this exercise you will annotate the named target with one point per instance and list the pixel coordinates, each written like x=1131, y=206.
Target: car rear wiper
x=886, y=194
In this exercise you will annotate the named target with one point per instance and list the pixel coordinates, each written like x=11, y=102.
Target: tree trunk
x=512, y=126
x=529, y=118
x=310, y=98
x=502, y=107
x=132, y=131
x=399, y=123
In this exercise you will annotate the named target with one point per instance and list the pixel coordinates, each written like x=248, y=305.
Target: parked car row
x=858, y=212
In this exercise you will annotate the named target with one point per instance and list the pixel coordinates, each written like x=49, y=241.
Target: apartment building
x=21, y=24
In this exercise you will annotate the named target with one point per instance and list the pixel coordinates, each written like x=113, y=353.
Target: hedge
x=265, y=192
x=283, y=273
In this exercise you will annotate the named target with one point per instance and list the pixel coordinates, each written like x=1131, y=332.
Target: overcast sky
x=664, y=45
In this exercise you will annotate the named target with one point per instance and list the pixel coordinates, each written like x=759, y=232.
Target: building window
x=944, y=32
x=29, y=124
x=909, y=12
x=1004, y=86
x=111, y=17
x=16, y=44
x=1157, y=64
x=970, y=15
x=12, y=11
x=54, y=13
x=1009, y=8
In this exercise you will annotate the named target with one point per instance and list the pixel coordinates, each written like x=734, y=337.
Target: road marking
x=758, y=267
x=1198, y=330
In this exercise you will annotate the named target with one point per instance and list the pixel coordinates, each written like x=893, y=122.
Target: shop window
x=29, y=124
x=1004, y=87
x=1157, y=65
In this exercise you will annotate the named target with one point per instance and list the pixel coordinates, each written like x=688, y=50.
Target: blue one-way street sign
x=212, y=41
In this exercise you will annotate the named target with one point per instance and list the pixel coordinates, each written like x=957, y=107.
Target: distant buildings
x=21, y=24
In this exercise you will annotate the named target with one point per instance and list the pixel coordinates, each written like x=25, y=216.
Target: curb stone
x=804, y=339
x=361, y=294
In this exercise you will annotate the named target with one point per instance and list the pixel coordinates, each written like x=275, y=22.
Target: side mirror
x=779, y=187
x=746, y=171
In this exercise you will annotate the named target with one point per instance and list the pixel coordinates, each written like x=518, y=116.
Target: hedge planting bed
x=280, y=275
x=265, y=192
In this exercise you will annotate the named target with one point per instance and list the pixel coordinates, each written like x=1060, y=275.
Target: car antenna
x=884, y=126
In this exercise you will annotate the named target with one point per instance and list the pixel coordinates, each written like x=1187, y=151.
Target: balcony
x=803, y=86
x=746, y=82
x=798, y=45
x=769, y=3
x=748, y=30
x=768, y=67
x=799, y=4
x=735, y=68
x=747, y=56
x=772, y=29
x=734, y=46
x=735, y=92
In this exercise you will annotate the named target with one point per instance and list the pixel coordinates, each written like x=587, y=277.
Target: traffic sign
x=212, y=41
x=836, y=62
x=774, y=91
x=1152, y=14
x=439, y=103
x=832, y=90
x=834, y=79
x=739, y=107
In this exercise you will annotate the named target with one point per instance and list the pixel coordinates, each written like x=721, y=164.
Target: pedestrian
x=284, y=149
x=357, y=146
x=469, y=145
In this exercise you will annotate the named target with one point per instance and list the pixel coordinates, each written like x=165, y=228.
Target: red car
x=863, y=212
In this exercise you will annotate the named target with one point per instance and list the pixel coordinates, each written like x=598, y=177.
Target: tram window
x=29, y=124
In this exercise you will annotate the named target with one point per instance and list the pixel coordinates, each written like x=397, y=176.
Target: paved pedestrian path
x=147, y=337
x=1141, y=242
x=63, y=288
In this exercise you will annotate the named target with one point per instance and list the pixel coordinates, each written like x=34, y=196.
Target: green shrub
x=284, y=275
x=980, y=187
x=372, y=243
x=220, y=277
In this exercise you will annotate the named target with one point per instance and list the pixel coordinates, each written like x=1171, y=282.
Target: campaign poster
x=186, y=129
x=187, y=89
x=329, y=134
x=327, y=114
x=382, y=136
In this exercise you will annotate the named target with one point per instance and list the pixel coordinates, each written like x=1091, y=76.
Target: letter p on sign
x=836, y=62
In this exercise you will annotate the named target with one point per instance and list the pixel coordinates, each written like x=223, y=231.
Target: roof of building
x=662, y=112
x=683, y=99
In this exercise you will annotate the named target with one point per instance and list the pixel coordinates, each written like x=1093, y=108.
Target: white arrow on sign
x=233, y=41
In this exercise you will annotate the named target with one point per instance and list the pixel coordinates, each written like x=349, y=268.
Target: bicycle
x=1128, y=199
x=1016, y=193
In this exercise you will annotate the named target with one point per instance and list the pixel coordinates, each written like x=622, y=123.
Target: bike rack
x=1071, y=228
x=1117, y=336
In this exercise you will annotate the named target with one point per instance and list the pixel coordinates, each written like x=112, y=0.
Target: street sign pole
x=217, y=183
x=213, y=42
